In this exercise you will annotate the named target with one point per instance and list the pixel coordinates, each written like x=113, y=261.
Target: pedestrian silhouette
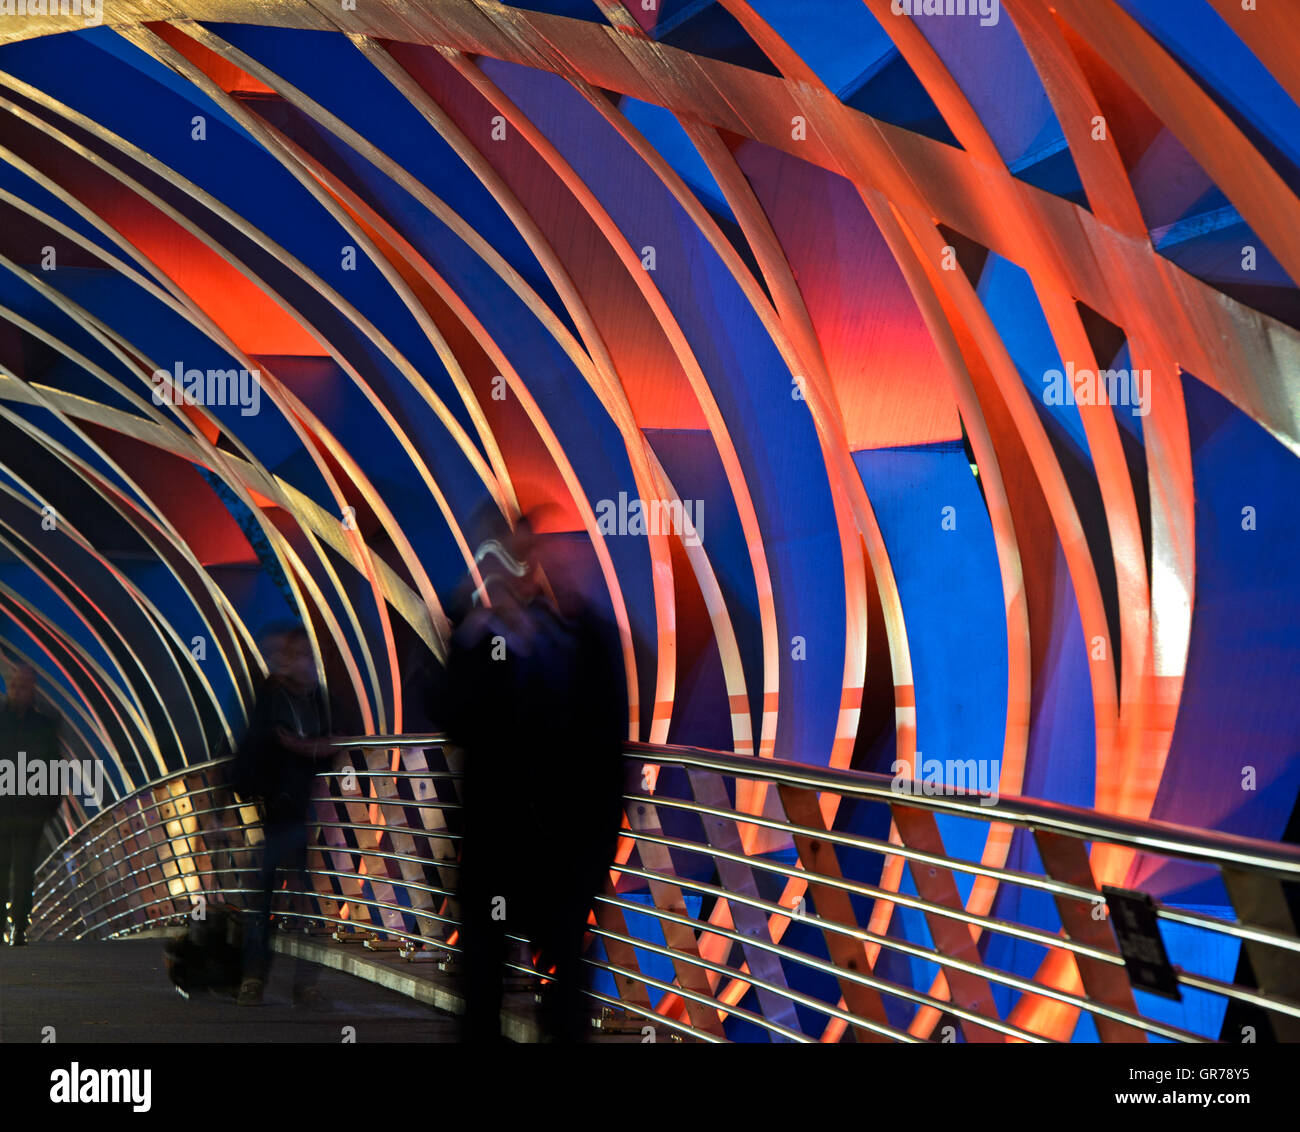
x=536, y=700
x=27, y=736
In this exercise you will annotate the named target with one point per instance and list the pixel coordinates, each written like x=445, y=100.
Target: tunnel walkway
x=118, y=992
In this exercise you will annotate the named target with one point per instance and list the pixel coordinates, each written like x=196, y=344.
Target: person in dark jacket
x=487, y=715
x=26, y=736
x=582, y=790
x=535, y=698
x=287, y=741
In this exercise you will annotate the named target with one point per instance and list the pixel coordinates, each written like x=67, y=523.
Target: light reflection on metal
x=913, y=188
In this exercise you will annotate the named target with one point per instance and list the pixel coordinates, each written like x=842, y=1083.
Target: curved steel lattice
x=965, y=349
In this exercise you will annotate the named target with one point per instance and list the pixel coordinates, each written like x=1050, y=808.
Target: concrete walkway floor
x=119, y=992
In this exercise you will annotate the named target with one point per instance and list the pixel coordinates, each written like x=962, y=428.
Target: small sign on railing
x=1133, y=916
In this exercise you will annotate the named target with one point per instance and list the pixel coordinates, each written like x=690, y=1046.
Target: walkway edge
x=353, y=959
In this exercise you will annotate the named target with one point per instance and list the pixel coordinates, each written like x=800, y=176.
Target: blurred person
x=584, y=790
x=28, y=733
x=534, y=699
x=287, y=738
x=485, y=717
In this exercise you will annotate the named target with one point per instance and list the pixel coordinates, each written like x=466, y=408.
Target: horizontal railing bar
x=703, y=1000
x=1152, y=836
x=66, y=893
x=160, y=824
x=895, y=990
x=313, y=915
x=861, y=935
x=404, y=883
x=387, y=854
x=153, y=785
x=350, y=900
x=249, y=848
x=850, y=840
x=157, y=864
x=1165, y=838
x=434, y=834
x=417, y=803
x=1204, y=984
x=865, y=935
x=171, y=799
x=1241, y=994
x=343, y=772
x=649, y=1013
x=1020, y=931
x=1003, y=927
x=125, y=817
x=1227, y=927
x=153, y=846
x=350, y=742
x=211, y=764
x=794, y=996
x=862, y=888
x=1199, y=982
x=1029, y=934
x=165, y=881
x=866, y=845
x=1016, y=982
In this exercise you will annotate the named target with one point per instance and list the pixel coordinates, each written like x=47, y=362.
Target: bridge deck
x=118, y=992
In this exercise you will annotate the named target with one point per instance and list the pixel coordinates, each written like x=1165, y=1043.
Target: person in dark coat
x=286, y=743
x=582, y=799
x=535, y=697
x=26, y=737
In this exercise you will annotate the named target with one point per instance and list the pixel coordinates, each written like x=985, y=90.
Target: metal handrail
x=881, y=985
x=858, y=888
x=1032, y=935
x=1153, y=836
x=1166, y=838
x=90, y=896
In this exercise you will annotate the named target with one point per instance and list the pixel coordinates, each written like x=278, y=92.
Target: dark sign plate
x=1133, y=916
